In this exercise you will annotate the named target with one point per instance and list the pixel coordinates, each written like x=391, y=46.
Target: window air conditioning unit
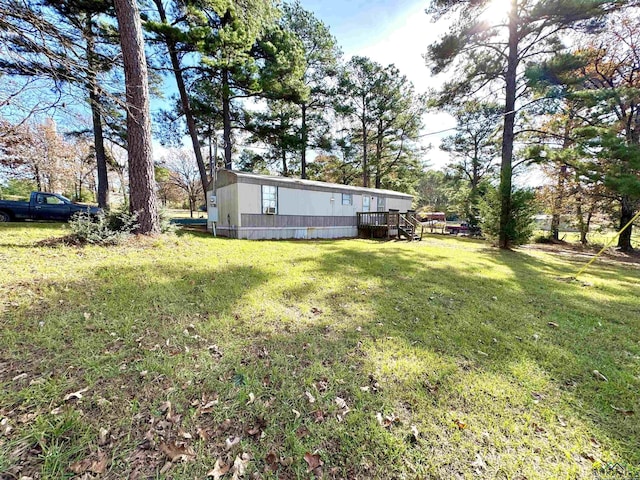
x=270, y=210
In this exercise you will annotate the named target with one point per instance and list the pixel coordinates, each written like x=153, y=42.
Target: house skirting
x=280, y=233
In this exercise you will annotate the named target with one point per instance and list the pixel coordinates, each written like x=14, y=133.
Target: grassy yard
x=345, y=359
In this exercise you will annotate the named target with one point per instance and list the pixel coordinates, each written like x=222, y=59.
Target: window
x=366, y=203
x=382, y=204
x=347, y=199
x=269, y=199
x=49, y=200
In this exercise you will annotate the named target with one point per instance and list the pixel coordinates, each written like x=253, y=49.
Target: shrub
x=104, y=229
x=165, y=223
x=521, y=225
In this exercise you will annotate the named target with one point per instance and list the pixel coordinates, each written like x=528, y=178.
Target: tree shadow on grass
x=527, y=318
x=396, y=332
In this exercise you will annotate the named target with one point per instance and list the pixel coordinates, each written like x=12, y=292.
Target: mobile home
x=251, y=206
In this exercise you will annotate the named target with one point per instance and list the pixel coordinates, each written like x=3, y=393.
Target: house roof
x=227, y=177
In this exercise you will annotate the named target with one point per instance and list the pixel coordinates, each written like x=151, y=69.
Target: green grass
x=599, y=238
x=437, y=335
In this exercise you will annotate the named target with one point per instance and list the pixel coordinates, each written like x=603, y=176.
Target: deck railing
x=389, y=223
x=377, y=219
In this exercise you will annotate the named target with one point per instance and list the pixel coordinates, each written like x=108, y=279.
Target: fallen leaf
x=175, y=452
x=19, y=377
x=231, y=442
x=77, y=394
x=202, y=434
x=460, y=424
x=86, y=315
x=240, y=465
x=415, y=434
x=553, y=324
x=166, y=408
x=536, y=396
x=537, y=428
x=184, y=434
x=310, y=397
x=302, y=432
x=316, y=311
x=99, y=465
x=252, y=398
x=561, y=421
x=81, y=466
x=600, y=376
x=56, y=411
x=478, y=464
x=103, y=436
x=219, y=469
x=166, y=467
x=313, y=461
x=208, y=407
x=286, y=462
x=318, y=416
x=322, y=385
x=622, y=410
x=365, y=389
x=387, y=421
x=296, y=413
x=272, y=462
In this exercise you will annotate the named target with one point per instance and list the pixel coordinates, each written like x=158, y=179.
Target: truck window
x=48, y=200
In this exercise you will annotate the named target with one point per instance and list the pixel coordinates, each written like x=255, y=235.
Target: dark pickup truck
x=43, y=206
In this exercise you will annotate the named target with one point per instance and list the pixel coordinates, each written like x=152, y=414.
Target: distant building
x=251, y=206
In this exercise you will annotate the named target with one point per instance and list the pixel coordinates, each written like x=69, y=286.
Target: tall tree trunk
x=141, y=171
x=626, y=215
x=379, y=145
x=506, y=168
x=285, y=169
x=36, y=171
x=96, y=117
x=226, y=118
x=365, y=139
x=305, y=140
x=557, y=203
x=184, y=99
x=582, y=227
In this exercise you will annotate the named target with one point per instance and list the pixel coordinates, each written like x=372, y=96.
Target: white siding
x=402, y=204
x=312, y=202
x=249, y=198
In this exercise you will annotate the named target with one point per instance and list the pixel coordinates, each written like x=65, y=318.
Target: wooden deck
x=392, y=224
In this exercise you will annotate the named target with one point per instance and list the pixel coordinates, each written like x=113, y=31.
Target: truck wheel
x=4, y=217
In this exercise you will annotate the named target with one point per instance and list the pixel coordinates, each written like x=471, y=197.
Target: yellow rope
x=607, y=245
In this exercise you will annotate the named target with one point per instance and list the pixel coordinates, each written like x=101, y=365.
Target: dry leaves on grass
x=77, y=395
x=387, y=421
x=460, y=424
x=219, y=469
x=343, y=408
x=623, y=411
x=176, y=452
x=599, y=376
x=96, y=465
x=314, y=462
x=240, y=466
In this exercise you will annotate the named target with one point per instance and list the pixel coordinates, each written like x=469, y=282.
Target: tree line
x=266, y=85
